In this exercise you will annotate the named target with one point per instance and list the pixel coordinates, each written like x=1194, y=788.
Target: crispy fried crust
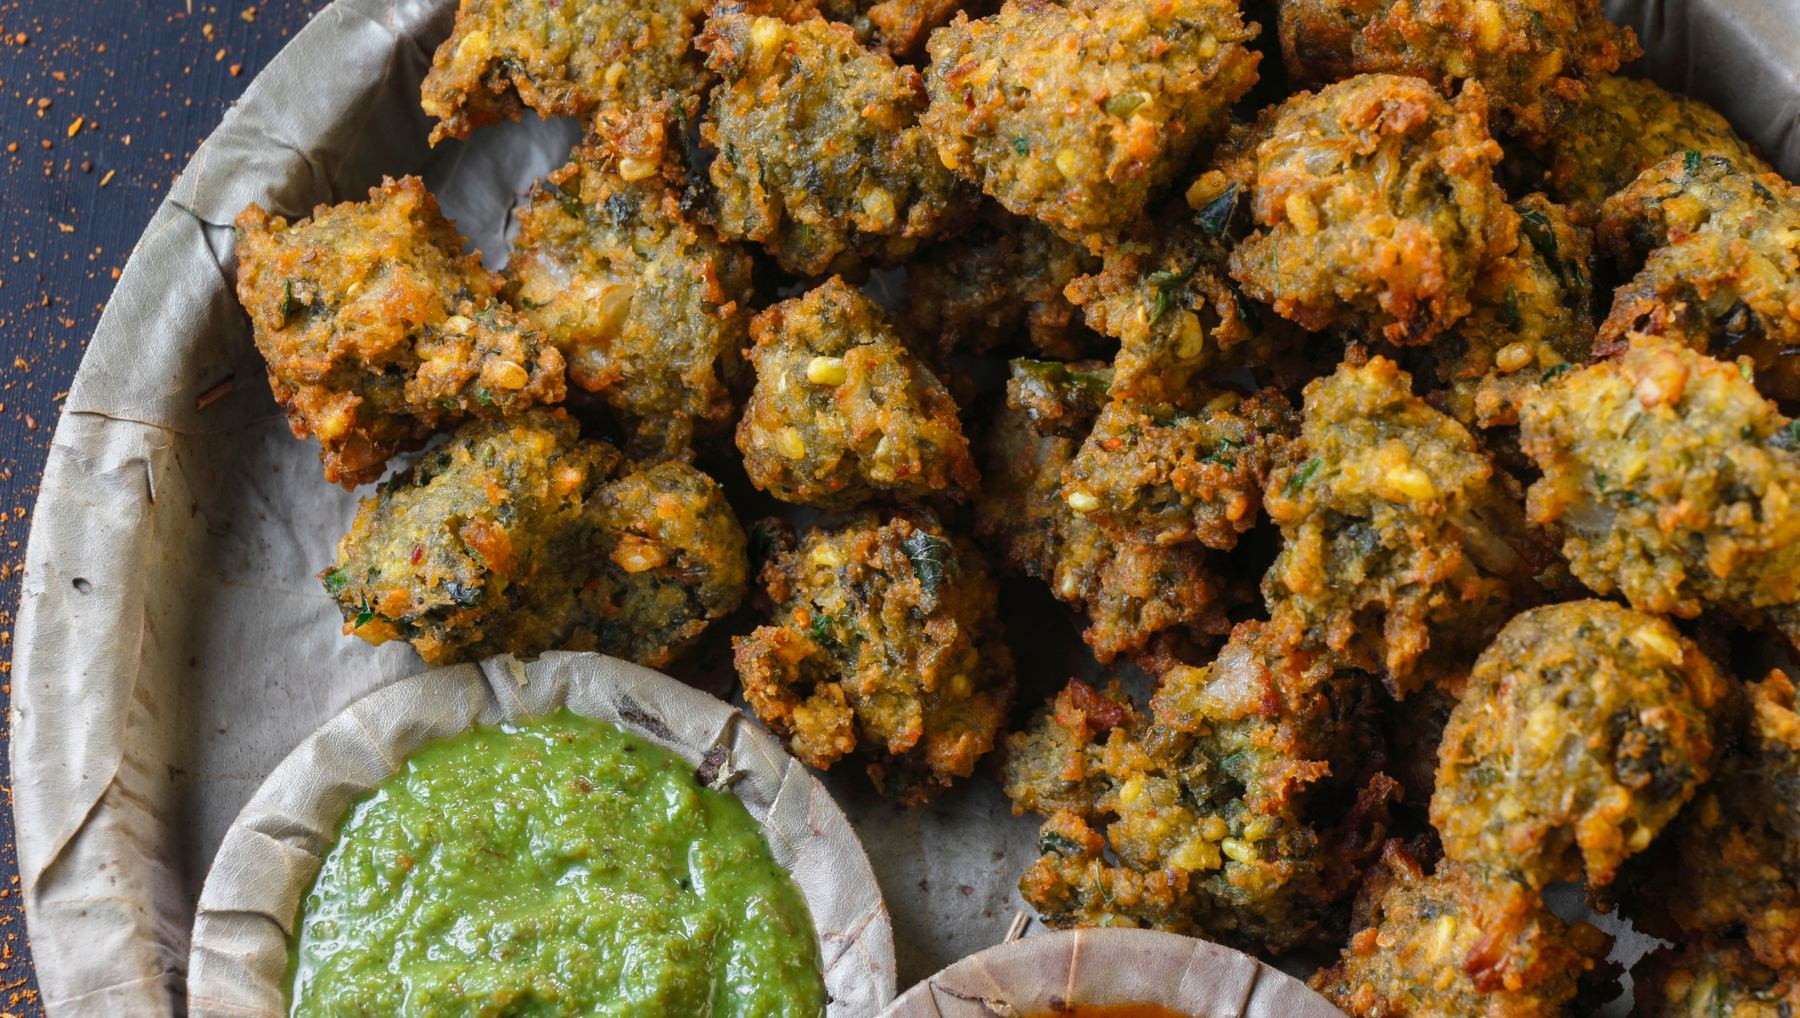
x=883, y=640
x=1582, y=730
x=1236, y=811
x=379, y=331
x=646, y=304
x=1535, y=57
x=1720, y=255
x=842, y=411
x=520, y=536
x=1459, y=943
x=1135, y=595
x=1157, y=476
x=820, y=156
x=1403, y=550
x=1378, y=208
x=1074, y=113
x=1622, y=127
x=560, y=59
x=1673, y=482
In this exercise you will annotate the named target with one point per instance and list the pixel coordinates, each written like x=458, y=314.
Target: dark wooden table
x=101, y=104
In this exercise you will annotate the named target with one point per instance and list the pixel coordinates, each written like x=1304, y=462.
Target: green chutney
x=561, y=867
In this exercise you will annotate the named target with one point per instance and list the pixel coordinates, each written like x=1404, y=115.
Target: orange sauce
x=1112, y=1011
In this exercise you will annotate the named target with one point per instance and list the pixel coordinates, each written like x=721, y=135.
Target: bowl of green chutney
x=575, y=835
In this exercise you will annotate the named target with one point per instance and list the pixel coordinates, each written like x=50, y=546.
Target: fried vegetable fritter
x=1461, y=943
x=1003, y=280
x=560, y=59
x=842, y=410
x=1165, y=298
x=1403, y=550
x=378, y=331
x=898, y=26
x=1730, y=866
x=1235, y=812
x=820, y=155
x=647, y=305
x=1711, y=979
x=519, y=536
x=884, y=640
x=1720, y=249
x=1673, y=482
x=1532, y=319
x=1378, y=208
x=1535, y=57
x=1582, y=731
x=1135, y=595
x=1075, y=113
x=1622, y=127
x=1155, y=475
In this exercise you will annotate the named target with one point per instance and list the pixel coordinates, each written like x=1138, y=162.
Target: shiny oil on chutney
x=558, y=867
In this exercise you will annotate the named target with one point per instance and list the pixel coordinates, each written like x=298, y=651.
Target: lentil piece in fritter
x=1460, y=943
x=519, y=536
x=1536, y=58
x=1134, y=595
x=820, y=155
x=1158, y=476
x=1672, y=481
x=842, y=411
x=1377, y=208
x=1215, y=811
x=378, y=331
x=1720, y=250
x=1622, y=127
x=560, y=59
x=883, y=640
x=1404, y=550
x=647, y=305
x=1583, y=729
x=1075, y=113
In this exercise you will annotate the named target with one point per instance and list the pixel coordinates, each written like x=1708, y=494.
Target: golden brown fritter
x=1162, y=293
x=519, y=536
x=647, y=305
x=1720, y=250
x=1461, y=943
x=1075, y=113
x=999, y=282
x=1532, y=319
x=379, y=331
x=1673, y=482
x=1378, y=208
x=1535, y=57
x=1403, y=550
x=884, y=640
x=842, y=411
x=1730, y=865
x=560, y=59
x=1156, y=475
x=1711, y=979
x=820, y=155
x=1134, y=595
x=1583, y=729
x=1235, y=812
x=1622, y=127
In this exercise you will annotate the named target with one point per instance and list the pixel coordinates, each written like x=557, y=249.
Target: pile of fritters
x=1441, y=577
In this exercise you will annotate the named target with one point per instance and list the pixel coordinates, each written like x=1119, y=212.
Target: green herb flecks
x=335, y=581
x=1165, y=282
x=1302, y=476
x=1786, y=437
x=1052, y=843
